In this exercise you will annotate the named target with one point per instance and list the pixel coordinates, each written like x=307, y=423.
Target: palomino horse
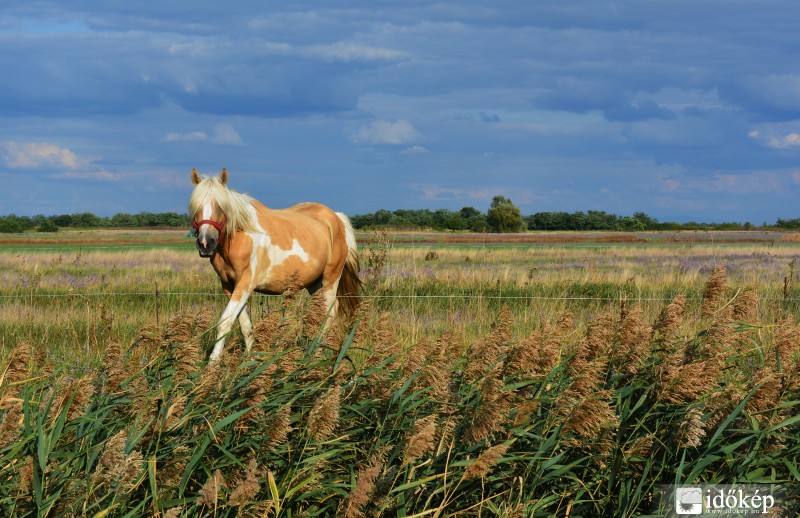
x=254, y=248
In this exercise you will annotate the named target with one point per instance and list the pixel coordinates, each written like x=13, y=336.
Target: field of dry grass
x=491, y=379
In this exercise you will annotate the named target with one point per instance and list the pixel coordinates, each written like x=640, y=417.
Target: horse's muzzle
x=206, y=247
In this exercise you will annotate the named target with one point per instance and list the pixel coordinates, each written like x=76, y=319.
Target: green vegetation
x=357, y=422
x=502, y=216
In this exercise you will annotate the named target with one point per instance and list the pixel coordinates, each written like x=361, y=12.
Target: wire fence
x=188, y=294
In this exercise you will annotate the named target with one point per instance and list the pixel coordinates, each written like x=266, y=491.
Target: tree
x=504, y=216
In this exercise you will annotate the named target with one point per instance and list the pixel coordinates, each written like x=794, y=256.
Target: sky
x=687, y=110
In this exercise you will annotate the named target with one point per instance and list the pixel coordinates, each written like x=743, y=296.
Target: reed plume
x=746, y=304
x=490, y=414
x=421, y=439
x=209, y=494
x=485, y=462
x=324, y=415
x=714, y=291
x=483, y=354
x=364, y=491
x=670, y=319
x=535, y=355
x=691, y=430
x=17, y=368
x=632, y=343
x=246, y=488
x=114, y=368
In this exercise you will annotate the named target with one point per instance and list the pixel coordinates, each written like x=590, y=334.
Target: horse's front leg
x=235, y=307
x=247, y=329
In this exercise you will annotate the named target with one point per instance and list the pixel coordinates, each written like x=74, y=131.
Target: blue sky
x=686, y=110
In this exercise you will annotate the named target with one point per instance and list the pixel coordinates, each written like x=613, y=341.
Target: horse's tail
x=349, y=291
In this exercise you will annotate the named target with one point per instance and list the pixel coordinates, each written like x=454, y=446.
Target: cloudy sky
x=686, y=110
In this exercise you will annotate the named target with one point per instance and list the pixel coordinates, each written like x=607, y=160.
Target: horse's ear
x=195, y=177
x=223, y=176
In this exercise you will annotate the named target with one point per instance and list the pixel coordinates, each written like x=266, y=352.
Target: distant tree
x=9, y=225
x=504, y=216
x=47, y=226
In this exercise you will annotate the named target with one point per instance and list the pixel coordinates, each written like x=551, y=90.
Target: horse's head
x=208, y=219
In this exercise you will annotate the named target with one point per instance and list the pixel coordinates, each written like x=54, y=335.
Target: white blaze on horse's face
x=207, y=232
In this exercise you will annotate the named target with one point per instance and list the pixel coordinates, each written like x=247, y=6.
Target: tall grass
x=565, y=420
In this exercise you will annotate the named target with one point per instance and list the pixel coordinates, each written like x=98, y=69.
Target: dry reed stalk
x=178, y=329
x=265, y=332
x=148, y=342
x=599, y=336
x=174, y=512
x=17, y=368
x=592, y=419
x=720, y=335
x=114, y=368
x=257, y=396
x=786, y=346
x=115, y=468
x=641, y=448
x=175, y=413
x=209, y=494
x=715, y=290
x=489, y=416
x=169, y=473
x=535, y=355
x=11, y=425
x=670, y=319
x=632, y=343
x=483, y=354
x=316, y=314
x=279, y=426
x=364, y=491
x=324, y=415
x=767, y=396
x=525, y=412
x=188, y=358
x=421, y=439
x=204, y=318
x=746, y=304
x=682, y=380
x=691, y=430
x=81, y=390
x=485, y=462
x=246, y=487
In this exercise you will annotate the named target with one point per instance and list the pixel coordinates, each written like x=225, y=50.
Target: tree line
x=502, y=216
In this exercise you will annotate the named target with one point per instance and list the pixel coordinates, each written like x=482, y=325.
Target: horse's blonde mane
x=237, y=207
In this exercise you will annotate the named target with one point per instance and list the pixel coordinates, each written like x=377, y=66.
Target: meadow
x=534, y=375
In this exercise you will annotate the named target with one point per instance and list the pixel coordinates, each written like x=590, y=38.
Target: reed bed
x=565, y=420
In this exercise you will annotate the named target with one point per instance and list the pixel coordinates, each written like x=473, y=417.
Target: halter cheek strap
x=217, y=225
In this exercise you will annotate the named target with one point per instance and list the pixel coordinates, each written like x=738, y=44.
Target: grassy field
x=531, y=375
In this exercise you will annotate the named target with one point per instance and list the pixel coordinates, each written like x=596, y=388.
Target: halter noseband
x=219, y=226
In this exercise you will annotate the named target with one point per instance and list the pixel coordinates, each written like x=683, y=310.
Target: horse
x=255, y=248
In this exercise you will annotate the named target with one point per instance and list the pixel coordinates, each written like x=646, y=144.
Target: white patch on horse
x=275, y=254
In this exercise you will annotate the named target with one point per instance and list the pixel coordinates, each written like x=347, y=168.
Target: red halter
x=219, y=226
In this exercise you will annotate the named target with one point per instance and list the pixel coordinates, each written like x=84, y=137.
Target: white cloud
x=224, y=135
x=87, y=175
x=385, y=132
x=347, y=52
x=787, y=141
x=33, y=155
x=790, y=140
x=194, y=136
x=415, y=150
